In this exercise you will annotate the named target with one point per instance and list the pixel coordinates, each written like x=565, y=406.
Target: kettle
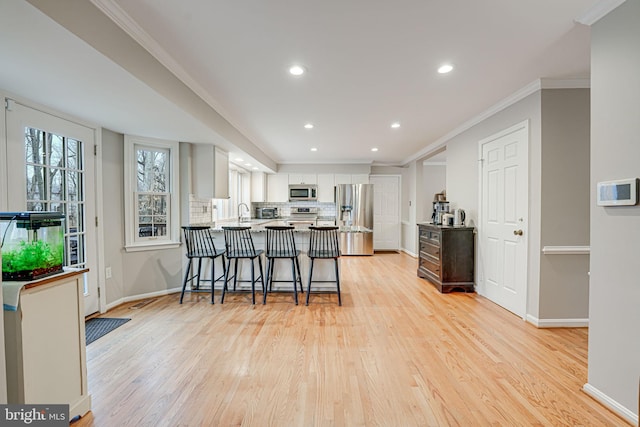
x=459, y=217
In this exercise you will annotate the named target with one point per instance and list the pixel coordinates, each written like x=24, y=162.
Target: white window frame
x=133, y=243
x=239, y=192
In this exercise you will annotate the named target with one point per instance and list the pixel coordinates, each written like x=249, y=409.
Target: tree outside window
x=151, y=185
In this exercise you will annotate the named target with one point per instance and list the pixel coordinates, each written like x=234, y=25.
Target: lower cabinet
x=45, y=344
x=446, y=257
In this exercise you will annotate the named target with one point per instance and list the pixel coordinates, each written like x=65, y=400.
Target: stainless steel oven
x=303, y=192
x=303, y=217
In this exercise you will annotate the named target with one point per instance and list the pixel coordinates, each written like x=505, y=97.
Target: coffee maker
x=440, y=208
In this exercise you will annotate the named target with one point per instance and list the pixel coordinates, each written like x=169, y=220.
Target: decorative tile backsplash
x=201, y=211
x=284, y=208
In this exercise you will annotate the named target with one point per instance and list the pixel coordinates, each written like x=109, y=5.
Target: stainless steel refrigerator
x=354, y=216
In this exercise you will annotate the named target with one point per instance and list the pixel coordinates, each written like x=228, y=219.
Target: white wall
x=614, y=311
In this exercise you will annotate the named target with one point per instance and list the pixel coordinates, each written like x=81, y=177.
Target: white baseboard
x=142, y=296
x=611, y=404
x=557, y=323
x=409, y=253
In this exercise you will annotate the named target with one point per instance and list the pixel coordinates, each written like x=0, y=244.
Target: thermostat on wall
x=623, y=192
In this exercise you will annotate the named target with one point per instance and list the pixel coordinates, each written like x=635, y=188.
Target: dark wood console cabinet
x=446, y=256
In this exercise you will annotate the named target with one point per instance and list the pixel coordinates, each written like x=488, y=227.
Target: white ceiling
x=369, y=63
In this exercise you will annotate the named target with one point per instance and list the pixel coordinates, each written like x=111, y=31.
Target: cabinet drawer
x=428, y=248
x=430, y=266
x=432, y=236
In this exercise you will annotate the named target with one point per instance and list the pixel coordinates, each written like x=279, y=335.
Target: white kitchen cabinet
x=278, y=187
x=45, y=343
x=258, y=187
x=326, y=185
x=301, y=178
x=210, y=172
x=342, y=178
x=325, y=223
x=360, y=179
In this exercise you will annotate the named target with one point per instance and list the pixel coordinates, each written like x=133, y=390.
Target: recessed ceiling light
x=444, y=69
x=247, y=164
x=314, y=149
x=374, y=149
x=239, y=160
x=308, y=126
x=395, y=125
x=296, y=70
x=255, y=168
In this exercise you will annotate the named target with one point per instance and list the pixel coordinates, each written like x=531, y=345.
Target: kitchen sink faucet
x=240, y=211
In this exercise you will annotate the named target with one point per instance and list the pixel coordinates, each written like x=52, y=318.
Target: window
x=239, y=192
x=55, y=182
x=151, y=193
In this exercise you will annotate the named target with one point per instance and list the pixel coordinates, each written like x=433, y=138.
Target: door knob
x=518, y=232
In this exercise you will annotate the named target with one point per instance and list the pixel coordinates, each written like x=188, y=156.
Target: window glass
x=55, y=183
x=151, y=180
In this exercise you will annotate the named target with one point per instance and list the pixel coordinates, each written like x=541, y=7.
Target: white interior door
x=504, y=210
x=386, y=212
x=50, y=165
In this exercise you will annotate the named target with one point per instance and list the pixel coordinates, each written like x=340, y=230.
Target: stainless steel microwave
x=303, y=192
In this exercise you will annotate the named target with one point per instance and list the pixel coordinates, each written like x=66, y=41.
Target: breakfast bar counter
x=321, y=270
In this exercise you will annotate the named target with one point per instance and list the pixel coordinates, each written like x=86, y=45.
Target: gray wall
x=558, y=195
x=614, y=311
x=134, y=274
x=434, y=178
x=462, y=179
x=564, y=280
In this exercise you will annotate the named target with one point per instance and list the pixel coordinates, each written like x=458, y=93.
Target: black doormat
x=100, y=326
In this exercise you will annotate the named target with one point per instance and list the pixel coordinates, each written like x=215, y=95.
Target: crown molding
x=597, y=11
x=122, y=19
x=499, y=106
x=581, y=83
x=565, y=83
x=114, y=12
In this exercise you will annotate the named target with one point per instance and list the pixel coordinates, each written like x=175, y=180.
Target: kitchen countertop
x=258, y=225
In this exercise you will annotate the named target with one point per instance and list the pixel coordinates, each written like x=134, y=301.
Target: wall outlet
x=107, y=272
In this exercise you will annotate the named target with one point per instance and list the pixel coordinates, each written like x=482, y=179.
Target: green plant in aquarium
x=31, y=256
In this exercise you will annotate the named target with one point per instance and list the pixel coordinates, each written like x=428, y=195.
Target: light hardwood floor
x=397, y=353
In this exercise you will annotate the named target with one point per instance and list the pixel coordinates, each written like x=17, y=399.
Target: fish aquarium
x=32, y=244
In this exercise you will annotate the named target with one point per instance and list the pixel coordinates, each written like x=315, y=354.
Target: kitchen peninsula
x=321, y=270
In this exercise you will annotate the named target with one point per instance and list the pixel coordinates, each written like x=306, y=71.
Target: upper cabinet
x=210, y=172
x=326, y=185
x=278, y=184
x=300, y=178
x=351, y=179
x=258, y=187
x=278, y=187
x=360, y=179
